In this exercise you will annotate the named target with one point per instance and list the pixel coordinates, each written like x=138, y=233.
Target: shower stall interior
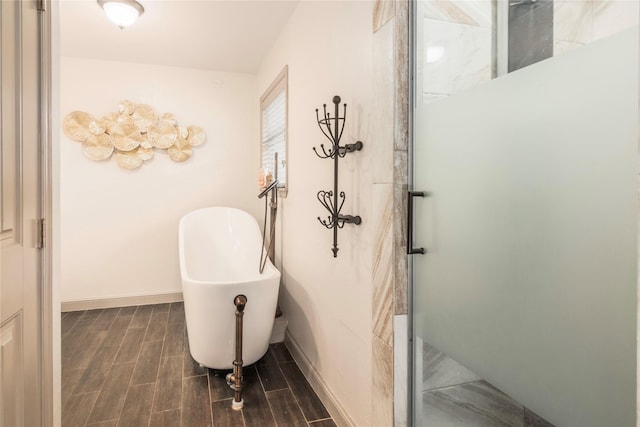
x=525, y=144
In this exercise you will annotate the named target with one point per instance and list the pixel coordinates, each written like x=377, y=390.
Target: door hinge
x=41, y=5
x=41, y=232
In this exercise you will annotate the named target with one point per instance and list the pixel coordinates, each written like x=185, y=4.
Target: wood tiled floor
x=131, y=366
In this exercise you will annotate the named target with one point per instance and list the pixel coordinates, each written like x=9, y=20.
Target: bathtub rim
x=269, y=272
x=273, y=273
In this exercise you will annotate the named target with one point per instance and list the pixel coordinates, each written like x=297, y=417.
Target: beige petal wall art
x=132, y=135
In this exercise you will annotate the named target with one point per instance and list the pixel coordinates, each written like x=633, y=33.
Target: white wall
x=328, y=48
x=119, y=227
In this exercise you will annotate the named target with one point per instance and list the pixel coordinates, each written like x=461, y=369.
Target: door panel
x=9, y=153
x=20, y=272
x=530, y=227
x=11, y=352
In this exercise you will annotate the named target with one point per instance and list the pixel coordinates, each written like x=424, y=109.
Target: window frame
x=279, y=84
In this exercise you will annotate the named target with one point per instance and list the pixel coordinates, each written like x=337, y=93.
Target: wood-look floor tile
x=161, y=308
x=137, y=406
x=196, y=407
x=176, y=312
x=218, y=387
x=251, y=375
x=141, y=317
x=146, y=370
x=106, y=318
x=174, y=340
x=323, y=423
x=69, y=381
x=256, y=410
x=145, y=388
x=280, y=352
x=91, y=314
x=73, y=342
x=224, y=416
x=285, y=410
x=112, y=396
x=76, y=409
x=90, y=345
x=192, y=368
x=157, y=326
x=68, y=321
x=96, y=373
x=531, y=419
x=270, y=373
x=166, y=418
x=112, y=423
x=169, y=384
x=130, y=347
x=116, y=332
x=309, y=402
x=128, y=311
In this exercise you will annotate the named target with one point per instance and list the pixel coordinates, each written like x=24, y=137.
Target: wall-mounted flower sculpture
x=132, y=134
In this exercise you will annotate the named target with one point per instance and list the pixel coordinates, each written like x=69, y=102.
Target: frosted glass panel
x=531, y=231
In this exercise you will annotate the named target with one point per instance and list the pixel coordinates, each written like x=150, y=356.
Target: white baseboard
x=92, y=304
x=338, y=413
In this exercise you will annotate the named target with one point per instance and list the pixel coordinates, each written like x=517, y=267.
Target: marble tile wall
x=399, y=219
x=382, y=264
x=400, y=156
x=458, y=56
x=389, y=275
x=579, y=22
x=382, y=405
x=400, y=185
x=382, y=13
x=457, y=36
x=383, y=208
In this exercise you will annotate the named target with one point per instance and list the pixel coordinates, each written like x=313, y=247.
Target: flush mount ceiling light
x=122, y=12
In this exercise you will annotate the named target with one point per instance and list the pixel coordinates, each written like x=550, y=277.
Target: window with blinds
x=273, y=108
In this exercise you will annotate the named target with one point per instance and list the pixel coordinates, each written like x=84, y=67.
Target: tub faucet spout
x=269, y=188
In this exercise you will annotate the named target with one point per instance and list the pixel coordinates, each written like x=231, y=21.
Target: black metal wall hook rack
x=334, y=136
x=334, y=200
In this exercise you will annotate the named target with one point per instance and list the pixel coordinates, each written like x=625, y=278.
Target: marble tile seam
x=451, y=386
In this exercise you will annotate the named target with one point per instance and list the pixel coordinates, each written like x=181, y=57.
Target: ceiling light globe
x=122, y=12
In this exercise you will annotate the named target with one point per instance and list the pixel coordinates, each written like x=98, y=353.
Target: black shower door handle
x=410, y=249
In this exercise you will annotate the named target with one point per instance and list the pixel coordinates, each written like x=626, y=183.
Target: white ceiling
x=223, y=35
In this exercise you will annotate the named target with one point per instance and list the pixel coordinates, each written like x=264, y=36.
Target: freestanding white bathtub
x=219, y=256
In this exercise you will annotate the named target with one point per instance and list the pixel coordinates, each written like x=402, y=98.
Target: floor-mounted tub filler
x=219, y=250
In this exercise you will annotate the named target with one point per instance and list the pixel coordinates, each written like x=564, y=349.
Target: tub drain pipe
x=235, y=380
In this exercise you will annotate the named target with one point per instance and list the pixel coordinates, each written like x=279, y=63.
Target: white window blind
x=274, y=129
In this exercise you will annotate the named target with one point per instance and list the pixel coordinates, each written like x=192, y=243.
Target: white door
x=20, y=355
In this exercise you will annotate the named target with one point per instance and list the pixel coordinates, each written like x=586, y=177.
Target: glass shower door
x=524, y=303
